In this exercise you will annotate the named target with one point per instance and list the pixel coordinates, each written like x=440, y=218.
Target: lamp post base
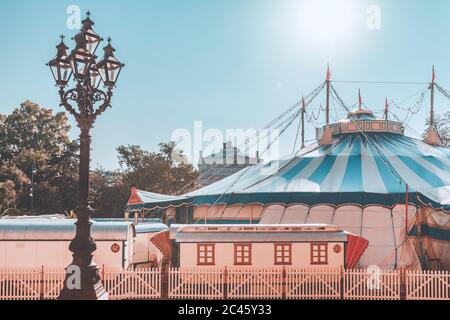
x=86, y=289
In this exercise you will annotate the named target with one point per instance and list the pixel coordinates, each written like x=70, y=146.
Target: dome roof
x=362, y=120
x=359, y=114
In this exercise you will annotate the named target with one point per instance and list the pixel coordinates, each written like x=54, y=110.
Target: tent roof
x=370, y=168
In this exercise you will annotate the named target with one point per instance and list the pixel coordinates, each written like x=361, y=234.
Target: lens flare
x=329, y=22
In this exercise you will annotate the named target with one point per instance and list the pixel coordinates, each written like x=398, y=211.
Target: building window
x=283, y=254
x=242, y=254
x=206, y=254
x=319, y=253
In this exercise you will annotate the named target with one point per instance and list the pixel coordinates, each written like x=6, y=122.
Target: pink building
x=305, y=246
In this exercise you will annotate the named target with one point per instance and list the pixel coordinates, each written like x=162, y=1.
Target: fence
x=237, y=283
x=23, y=284
x=427, y=285
x=254, y=283
x=46, y=283
x=132, y=284
x=200, y=283
x=313, y=284
x=373, y=284
x=52, y=281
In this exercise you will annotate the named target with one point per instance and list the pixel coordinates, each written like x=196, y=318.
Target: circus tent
x=362, y=174
x=369, y=182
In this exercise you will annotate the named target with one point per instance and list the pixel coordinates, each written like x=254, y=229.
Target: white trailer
x=30, y=243
x=305, y=246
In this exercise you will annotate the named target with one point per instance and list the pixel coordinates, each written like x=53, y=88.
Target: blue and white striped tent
x=370, y=168
x=369, y=164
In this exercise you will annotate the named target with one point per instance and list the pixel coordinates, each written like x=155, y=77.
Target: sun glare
x=328, y=22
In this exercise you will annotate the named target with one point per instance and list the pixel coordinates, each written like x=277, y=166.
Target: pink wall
x=262, y=255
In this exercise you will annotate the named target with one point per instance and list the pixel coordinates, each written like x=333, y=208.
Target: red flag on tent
x=328, y=73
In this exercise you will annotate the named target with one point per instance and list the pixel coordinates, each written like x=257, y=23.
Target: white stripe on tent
x=301, y=181
x=429, y=150
x=314, y=150
x=270, y=179
x=442, y=174
x=408, y=175
x=278, y=184
x=335, y=176
x=442, y=193
x=371, y=178
x=251, y=176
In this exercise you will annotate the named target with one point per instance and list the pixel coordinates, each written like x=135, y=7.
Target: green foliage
x=155, y=172
x=31, y=129
x=35, y=135
x=108, y=193
x=442, y=125
x=32, y=135
x=7, y=197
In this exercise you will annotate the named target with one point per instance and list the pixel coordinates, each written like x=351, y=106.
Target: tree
x=32, y=128
x=442, y=125
x=167, y=149
x=32, y=136
x=3, y=143
x=108, y=193
x=35, y=137
x=7, y=197
x=12, y=182
x=155, y=172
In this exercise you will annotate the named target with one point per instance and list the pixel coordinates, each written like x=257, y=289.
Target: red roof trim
x=134, y=197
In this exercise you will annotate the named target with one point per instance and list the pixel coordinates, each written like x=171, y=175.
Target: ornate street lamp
x=109, y=66
x=86, y=102
x=60, y=66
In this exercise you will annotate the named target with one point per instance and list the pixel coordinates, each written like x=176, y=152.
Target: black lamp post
x=90, y=103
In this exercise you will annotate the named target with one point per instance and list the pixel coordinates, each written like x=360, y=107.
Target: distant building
x=226, y=162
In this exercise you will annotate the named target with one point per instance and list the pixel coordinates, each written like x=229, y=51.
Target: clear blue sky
x=229, y=63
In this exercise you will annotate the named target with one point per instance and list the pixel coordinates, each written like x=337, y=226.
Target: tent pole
x=386, y=113
x=303, y=122
x=432, y=100
x=327, y=114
